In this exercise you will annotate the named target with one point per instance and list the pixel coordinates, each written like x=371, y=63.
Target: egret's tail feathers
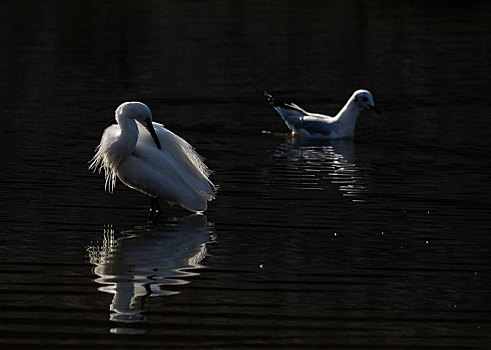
x=207, y=196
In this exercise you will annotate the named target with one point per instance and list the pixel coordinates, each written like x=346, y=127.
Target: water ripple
x=144, y=262
x=315, y=165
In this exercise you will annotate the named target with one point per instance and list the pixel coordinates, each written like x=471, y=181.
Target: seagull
x=151, y=159
x=314, y=125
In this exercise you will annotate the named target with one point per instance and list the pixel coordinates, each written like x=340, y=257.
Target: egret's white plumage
x=153, y=160
x=314, y=125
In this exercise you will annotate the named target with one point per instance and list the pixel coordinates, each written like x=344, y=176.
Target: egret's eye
x=365, y=99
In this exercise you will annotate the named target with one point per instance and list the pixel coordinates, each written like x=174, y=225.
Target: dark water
x=381, y=242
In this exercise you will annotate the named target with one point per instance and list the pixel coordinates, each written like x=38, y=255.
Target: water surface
x=378, y=242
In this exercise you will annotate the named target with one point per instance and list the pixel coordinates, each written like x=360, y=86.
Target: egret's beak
x=152, y=132
x=375, y=109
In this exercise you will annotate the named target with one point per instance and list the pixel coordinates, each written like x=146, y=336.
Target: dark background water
x=381, y=242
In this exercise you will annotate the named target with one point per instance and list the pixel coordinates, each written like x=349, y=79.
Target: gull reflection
x=309, y=163
x=137, y=264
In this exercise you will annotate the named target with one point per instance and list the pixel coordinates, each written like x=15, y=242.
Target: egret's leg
x=154, y=210
x=157, y=209
x=157, y=205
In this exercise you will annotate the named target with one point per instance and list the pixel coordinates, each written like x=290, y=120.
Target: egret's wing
x=182, y=148
x=105, y=157
x=178, y=154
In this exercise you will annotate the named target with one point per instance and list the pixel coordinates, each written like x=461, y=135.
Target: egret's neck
x=129, y=136
x=347, y=117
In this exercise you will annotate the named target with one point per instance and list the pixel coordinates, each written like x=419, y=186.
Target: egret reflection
x=311, y=164
x=141, y=263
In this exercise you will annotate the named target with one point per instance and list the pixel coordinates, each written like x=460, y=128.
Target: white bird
x=153, y=160
x=314, y=125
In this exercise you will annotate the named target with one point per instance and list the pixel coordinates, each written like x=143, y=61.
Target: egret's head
x=140, y=113
x=364, y=99
x=135, y=110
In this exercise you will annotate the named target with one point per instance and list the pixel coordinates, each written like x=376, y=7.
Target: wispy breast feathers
x=105, y=158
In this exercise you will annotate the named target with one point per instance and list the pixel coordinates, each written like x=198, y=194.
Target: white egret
x=314, y=125
x=153, y=160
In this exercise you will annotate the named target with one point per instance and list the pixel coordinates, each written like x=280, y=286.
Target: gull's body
x=314, y=125
x=152, y=160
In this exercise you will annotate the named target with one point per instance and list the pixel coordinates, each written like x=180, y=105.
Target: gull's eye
x=365, y=99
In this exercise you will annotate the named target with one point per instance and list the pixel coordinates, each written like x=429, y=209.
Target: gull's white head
x=364, y=99
x=140, y=113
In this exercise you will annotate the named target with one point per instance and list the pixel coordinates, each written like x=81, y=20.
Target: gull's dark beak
x=375, y=109
x=152, y=132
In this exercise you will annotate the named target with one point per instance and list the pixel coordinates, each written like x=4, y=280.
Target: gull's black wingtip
x=272, y=100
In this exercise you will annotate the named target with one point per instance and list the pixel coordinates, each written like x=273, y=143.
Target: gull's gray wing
x=290, y=112
x=314, y=125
